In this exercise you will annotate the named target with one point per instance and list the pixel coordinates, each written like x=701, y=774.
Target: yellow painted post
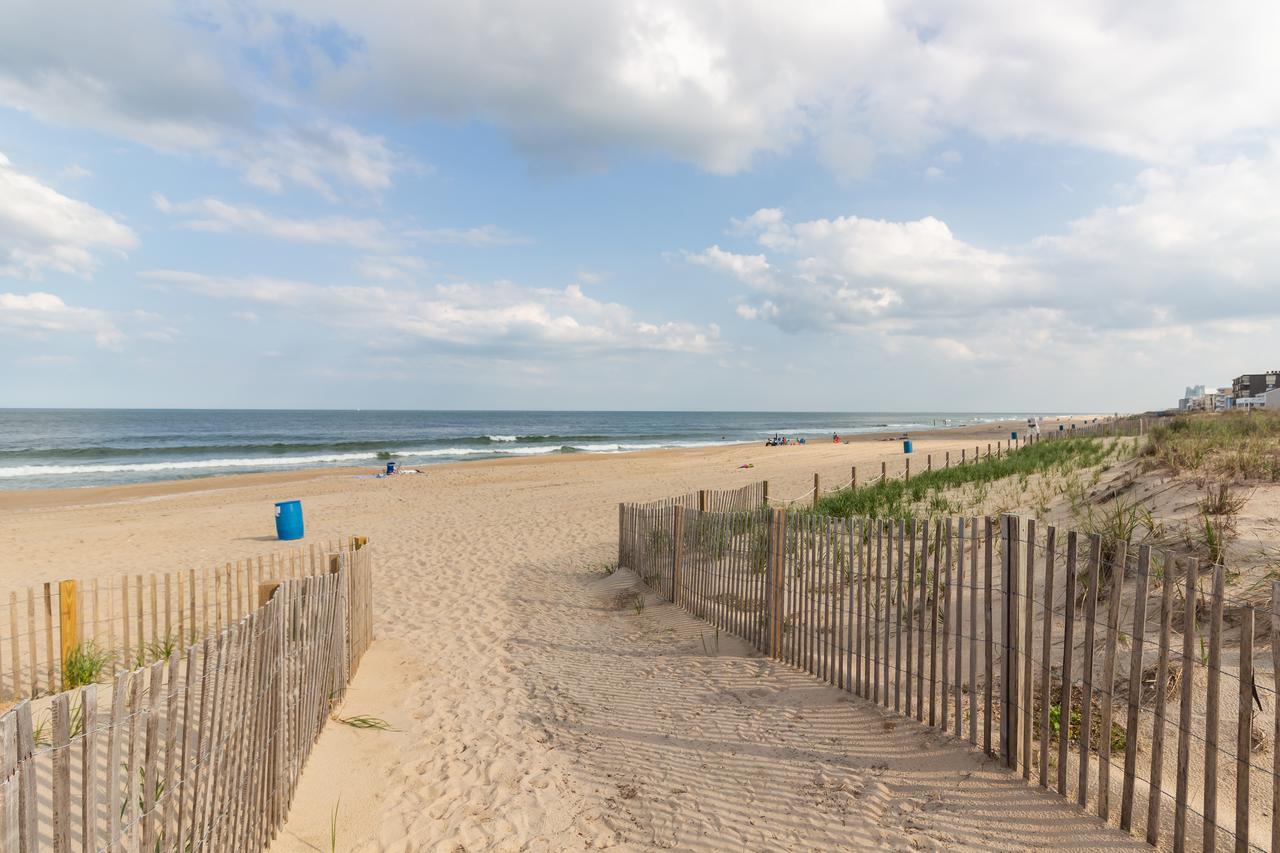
x=68, y=622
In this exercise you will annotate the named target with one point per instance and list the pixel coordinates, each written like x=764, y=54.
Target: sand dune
x=531, y=711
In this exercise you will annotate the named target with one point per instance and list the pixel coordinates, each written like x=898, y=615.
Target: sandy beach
x=531, y=713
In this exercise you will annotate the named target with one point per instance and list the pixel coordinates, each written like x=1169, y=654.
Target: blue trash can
x=391, y=467
x=289, y=520
x=906, y=446
x=1013, y=436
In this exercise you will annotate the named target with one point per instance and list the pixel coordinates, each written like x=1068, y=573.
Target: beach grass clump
x=925, y=493
x=1233, y=445
x=366, y=722
x=86, y=663
x=162, y=648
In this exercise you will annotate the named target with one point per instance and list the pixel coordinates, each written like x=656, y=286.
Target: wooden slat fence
x=137, y=617
x=198, y=750
x=1121, y=677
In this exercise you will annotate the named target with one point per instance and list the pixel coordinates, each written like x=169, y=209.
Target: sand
x=530, y=713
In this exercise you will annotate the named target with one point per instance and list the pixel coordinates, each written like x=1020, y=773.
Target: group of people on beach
x=779, y=440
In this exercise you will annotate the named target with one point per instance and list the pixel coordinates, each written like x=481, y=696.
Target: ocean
x=50, y=448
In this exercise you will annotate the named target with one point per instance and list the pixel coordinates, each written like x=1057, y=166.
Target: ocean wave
x=283, y=449
x=179, y=465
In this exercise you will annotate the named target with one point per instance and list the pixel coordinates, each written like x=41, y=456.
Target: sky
x=667, y=204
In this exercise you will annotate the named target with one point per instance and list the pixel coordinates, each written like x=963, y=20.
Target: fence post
x=1244, y=729
x=702, y=500
x=1010, y=530
x=774, y=568
x=677, y=564
x=883, y=471
x=853, y=482
x=1275, y=715
x=817, y=490
x=765, y=483
x=68, y=622
x=907, y=474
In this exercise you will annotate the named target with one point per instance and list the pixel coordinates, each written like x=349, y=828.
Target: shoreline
x=56, y=497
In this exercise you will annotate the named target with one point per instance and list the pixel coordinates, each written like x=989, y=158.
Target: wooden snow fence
x=1120, y=677
x=200, y=749
x=134, y=616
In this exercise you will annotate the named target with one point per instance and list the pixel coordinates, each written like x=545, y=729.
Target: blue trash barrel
x=289, y=520
x=1013, y=436
x=906, y=446
x=391, y=467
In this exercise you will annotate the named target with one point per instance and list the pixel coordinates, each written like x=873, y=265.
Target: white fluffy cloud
x=39, y=314
x=717, y=83
x=130, y=70
x=1187, y=246
x=496, y=317
x=1189, y=243
x=849, y=271
x=42, y=229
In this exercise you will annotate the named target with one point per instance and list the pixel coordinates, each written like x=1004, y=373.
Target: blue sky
x=636, y=205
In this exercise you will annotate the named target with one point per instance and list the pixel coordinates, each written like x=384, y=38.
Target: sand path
x=537, y=714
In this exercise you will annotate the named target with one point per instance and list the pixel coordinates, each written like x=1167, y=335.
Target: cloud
x=1184, y=249
x=753, y=269
x=499, y=317
x=42, y=229
x=720, y=84
x=484, y=235
x=211, y=214
x=217, y=216
x=131, y=71
x=41, y=313
x=849, y=271
x=315, y=157
x=391, y=267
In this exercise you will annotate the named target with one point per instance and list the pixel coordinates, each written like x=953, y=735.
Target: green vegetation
x=364, y=721
x=86, y=663
x=925, y=493
x=1238, y=445
x=162, y=648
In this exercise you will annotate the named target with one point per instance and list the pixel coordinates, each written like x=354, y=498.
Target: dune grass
x=924, y=493
x=1235, y=445
x=86, y=663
